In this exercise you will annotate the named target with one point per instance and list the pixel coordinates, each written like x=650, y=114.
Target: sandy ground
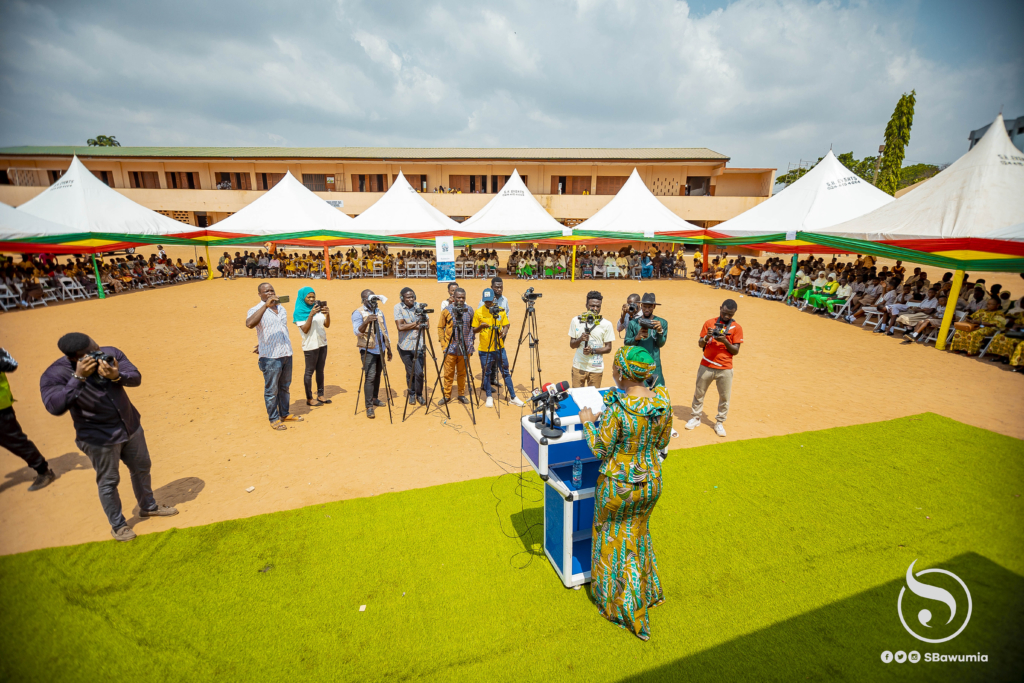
x=202, y=407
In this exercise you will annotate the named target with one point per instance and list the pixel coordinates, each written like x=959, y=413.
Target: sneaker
x=379, y=403
x=444, y=400
x=125, y=533
x=517, y=402
x=719, y=429
x=369, y=412
x=489, y=403
x=161, y=511
x=463, y=399
x=692, y=423
x=675, y=434
x=43, y=480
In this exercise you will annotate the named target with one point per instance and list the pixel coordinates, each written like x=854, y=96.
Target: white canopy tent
x=1012, y=233
x=512, y=211
x=18, y=225
x=85, y=204
x=402, y=211
x=979, y=193
x=635, y=210
x=288, y=207
x=826, y=195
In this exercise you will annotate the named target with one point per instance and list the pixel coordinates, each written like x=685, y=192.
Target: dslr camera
x=645, y=322
x=634, y=308
x=529, y=296
x=101, y=357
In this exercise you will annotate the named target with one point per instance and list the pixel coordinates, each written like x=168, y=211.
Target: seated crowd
x=987, y=320
x=623, y=263
x=38, y=277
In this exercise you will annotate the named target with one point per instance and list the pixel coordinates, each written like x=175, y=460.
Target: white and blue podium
x=568, y=510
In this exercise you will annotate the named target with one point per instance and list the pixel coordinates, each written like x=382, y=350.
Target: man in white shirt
x=591, y=336
x=270, y=320
x=452, y=286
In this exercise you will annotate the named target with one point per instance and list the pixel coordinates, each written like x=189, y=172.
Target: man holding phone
x=270, y=320
x=720, y=339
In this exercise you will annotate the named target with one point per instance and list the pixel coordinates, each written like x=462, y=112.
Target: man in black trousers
x=11, y=435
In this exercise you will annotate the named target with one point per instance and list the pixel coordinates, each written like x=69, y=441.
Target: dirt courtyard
x=202, y=407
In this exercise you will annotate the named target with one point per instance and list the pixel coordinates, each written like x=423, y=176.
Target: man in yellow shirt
x=491, y=323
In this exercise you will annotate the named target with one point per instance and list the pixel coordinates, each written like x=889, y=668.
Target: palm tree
x=103, y=141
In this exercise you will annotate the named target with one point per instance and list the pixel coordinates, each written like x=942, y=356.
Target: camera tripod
x=428, y=346
x=460, y=347
x=374, y=333
x=533, y=338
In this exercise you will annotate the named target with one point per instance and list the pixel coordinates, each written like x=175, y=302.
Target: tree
x=897, y=137
x=103, y=141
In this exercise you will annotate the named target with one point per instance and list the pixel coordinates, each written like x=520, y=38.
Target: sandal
x=292, y=418
x=278, y=426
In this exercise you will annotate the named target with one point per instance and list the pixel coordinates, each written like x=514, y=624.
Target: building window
x=266, y=181
x=610, y=184
x=106, y=176
x=233, y=181
x=498, y=182
x=697, y=186
x=418, y=182
x=317, y=182
x=573, y=184
x=147, y=180
x=476, y=184
x=372, y=182
x=177, y=180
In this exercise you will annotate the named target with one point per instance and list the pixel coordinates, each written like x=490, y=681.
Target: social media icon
x=914, y=656
x=901, y=657
x=886, y=656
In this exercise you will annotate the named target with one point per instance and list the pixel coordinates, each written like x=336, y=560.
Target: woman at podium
x=635, y=425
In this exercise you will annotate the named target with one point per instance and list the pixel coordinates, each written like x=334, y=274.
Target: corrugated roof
x=391, y=153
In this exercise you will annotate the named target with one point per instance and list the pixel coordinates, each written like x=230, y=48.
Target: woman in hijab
x=635, y=428
x=313, y=319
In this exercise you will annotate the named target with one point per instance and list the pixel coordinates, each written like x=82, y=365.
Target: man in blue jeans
x=491, y=323
x=270, y=321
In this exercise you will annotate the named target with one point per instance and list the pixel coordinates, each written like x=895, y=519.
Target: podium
x=568, y=511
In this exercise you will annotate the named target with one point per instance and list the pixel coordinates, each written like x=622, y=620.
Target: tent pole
x=574, y=263
x=704, y=265
x=792, y=274
x=99, y=283
x=327, y=261
x=209, y=263
x=947, y=317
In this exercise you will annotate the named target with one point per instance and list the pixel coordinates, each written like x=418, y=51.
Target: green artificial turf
x=782, y=559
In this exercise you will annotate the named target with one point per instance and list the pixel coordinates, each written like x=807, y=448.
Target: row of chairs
x=417, y=269
x=11, y=294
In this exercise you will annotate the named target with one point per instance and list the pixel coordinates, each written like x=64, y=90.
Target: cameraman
x=650, y=332
x=591, y=337
x=491, y=323
x=455, y=334
x=412, y=353
x=498, y=287
x=720, y=338
x=630, y=310
x=89, y=382
x=369, y=346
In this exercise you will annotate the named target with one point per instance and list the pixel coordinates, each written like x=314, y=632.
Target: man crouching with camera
x=591, y=336
x=89, y=383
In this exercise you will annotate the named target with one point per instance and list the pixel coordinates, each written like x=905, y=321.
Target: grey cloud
x=766, y=82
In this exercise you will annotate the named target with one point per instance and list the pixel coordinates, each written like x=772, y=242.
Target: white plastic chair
x=8, y=299
x=869, y=313
x=71, y=289
x=378, y=269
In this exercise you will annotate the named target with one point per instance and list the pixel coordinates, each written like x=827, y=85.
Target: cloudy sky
x=767, y=82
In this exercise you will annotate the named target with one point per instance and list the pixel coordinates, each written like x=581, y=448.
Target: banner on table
x=445, y=250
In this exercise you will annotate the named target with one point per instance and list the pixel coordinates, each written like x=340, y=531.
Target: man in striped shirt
x=270, y=320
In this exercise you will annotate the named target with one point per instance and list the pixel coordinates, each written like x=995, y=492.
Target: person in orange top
x=720, y=339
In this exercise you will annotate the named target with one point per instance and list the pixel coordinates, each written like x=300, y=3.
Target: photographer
x=455, y=335
x=408, y=319
x=720, y=338
x=89, y=381
x=369, y=346
x=498, y=287
x=452, y=286
x=491, y=323
x=11, y=435
x=591, y=336
x=630, y=310
x=313, y=318
x=270, y=320
x=650, y=332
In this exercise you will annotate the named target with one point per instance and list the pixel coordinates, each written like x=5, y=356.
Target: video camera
x=420, y=310
x=530, y=296
x=495, y=310
x=458, y=311
x=371, y=303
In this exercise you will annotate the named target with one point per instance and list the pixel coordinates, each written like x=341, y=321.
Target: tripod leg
x=536, y=345
x=437, y=370
x=362, y=374
x=387, y=386
x=519, y=345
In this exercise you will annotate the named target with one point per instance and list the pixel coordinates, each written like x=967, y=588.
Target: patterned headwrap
x=635, y=363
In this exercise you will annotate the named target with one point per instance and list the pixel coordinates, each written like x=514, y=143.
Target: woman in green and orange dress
x=635, y=426
x=991, y=320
